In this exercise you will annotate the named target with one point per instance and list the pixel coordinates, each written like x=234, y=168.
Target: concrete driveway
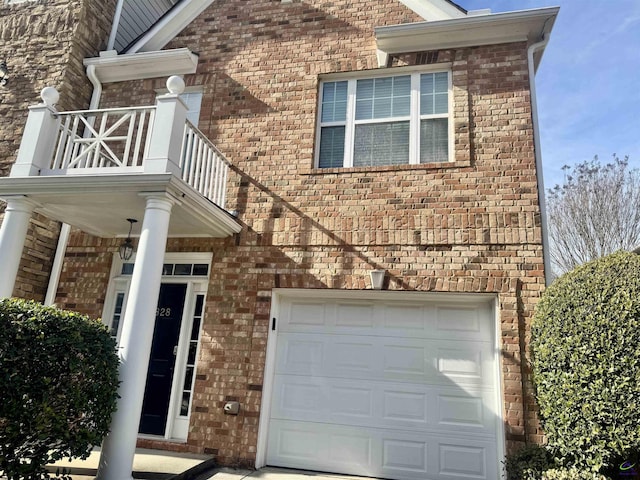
x=271, y=473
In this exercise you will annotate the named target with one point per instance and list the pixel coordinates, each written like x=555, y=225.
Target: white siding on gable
x=136, y=17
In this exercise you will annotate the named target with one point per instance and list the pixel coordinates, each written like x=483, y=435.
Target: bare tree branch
x=596, y=211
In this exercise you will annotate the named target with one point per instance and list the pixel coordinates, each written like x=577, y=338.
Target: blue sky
x=588, y=83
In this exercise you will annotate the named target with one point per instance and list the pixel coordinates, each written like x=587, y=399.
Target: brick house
x=325, y=141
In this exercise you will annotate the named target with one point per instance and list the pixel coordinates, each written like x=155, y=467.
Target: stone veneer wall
x=469, y=226
x=44, y=43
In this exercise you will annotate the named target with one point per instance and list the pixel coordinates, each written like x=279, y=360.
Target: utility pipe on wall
x=65, y=230
x=538, y=156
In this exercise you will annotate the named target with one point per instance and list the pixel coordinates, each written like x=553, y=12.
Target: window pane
x=382, y=108
x=191, y=358
x=127, y=268
x=167, y=269
x=441, y=82
x=184, y=405
x=434, y=93
x=434, y=140
x=383, y=97
x=199, y=304
x=334, y=102
x=200, y=269
x=331, y=147
x=381, y=144
x=440, y=103
x=182, y=269
x=195, y=330
x=188, y=378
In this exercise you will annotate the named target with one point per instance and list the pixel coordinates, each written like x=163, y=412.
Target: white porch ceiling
x=100, y=205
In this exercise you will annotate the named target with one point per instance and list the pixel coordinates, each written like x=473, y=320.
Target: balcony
x=93, y=169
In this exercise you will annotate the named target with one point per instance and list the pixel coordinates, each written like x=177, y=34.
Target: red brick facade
x=472, y=225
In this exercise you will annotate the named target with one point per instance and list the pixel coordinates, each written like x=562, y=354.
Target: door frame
x=177, y=426
x=326, y=294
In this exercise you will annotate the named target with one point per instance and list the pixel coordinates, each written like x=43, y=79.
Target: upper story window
x=392, y=120
x=193, y=100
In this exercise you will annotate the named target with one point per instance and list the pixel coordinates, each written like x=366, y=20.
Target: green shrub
x=58, y=378
x=586, y=363
x=528, y=463
x=571, y=474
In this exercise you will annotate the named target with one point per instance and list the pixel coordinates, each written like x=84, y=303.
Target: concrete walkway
x=272, y=473
x=149, y=464
x=163, y=465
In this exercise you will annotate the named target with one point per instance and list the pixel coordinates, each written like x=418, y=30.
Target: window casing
x=385, y=120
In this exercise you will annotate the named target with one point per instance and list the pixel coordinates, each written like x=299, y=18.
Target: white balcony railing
x=102, y=139
x=203, y=166
x=123, y=140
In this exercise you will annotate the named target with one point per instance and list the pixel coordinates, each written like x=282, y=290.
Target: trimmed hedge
x=586, y=363
x=59, y=379
x=528, y=463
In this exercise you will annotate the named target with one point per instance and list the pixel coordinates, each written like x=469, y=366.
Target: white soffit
x=135, y=66
x=169, y=25
x=434, y=9
x=524, y=25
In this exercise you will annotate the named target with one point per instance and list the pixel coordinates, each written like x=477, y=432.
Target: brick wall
x=470, y=226
x=43, y=43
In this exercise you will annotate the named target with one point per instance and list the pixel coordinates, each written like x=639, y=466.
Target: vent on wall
x=415, y=58
x=425, y=58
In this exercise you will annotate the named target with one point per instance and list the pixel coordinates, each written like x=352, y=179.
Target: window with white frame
x=385, y=120
x=193, y=100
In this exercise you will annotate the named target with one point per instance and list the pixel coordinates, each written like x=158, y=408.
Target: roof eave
x=111, y=68
x=525, y=25
x=170, y=25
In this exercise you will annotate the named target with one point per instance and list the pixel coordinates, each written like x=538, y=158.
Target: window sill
x=389, y=168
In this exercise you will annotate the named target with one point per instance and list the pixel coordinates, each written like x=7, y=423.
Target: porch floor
x=147, y=464
x=161, y=465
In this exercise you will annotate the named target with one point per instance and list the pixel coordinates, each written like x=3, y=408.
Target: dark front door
x=157, y=394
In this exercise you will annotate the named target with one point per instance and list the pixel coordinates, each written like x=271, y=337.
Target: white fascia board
x=137, y=66
x=169, y=26
x=524, y=25
x=434, y=10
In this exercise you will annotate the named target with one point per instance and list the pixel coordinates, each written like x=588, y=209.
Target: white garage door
x=393, y=386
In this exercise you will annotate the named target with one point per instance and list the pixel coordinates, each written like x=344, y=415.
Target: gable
x=185, y=11
x=135, y=17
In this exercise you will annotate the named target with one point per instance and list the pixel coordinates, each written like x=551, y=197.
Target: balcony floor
x=100, y=204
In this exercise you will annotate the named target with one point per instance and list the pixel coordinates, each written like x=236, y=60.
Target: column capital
x=20, y=203
x=162, y=200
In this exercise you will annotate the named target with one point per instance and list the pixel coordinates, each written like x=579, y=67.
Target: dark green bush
x=586, y=363
x=58, y=378
x=528, y=463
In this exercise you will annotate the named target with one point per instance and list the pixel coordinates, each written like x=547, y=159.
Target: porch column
x=118, y=448
x=13, y=234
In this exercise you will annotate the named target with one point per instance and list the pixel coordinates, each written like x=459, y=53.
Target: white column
x=13, y=234
x=118, y=448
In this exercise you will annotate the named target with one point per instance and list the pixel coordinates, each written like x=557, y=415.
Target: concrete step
x=147, y=464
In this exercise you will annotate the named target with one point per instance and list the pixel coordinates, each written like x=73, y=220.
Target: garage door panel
x=388, y=319
x=381, y=453
x=411, y=360
x=383, y=405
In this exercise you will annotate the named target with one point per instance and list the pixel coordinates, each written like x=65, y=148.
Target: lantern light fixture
x=126, y=249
